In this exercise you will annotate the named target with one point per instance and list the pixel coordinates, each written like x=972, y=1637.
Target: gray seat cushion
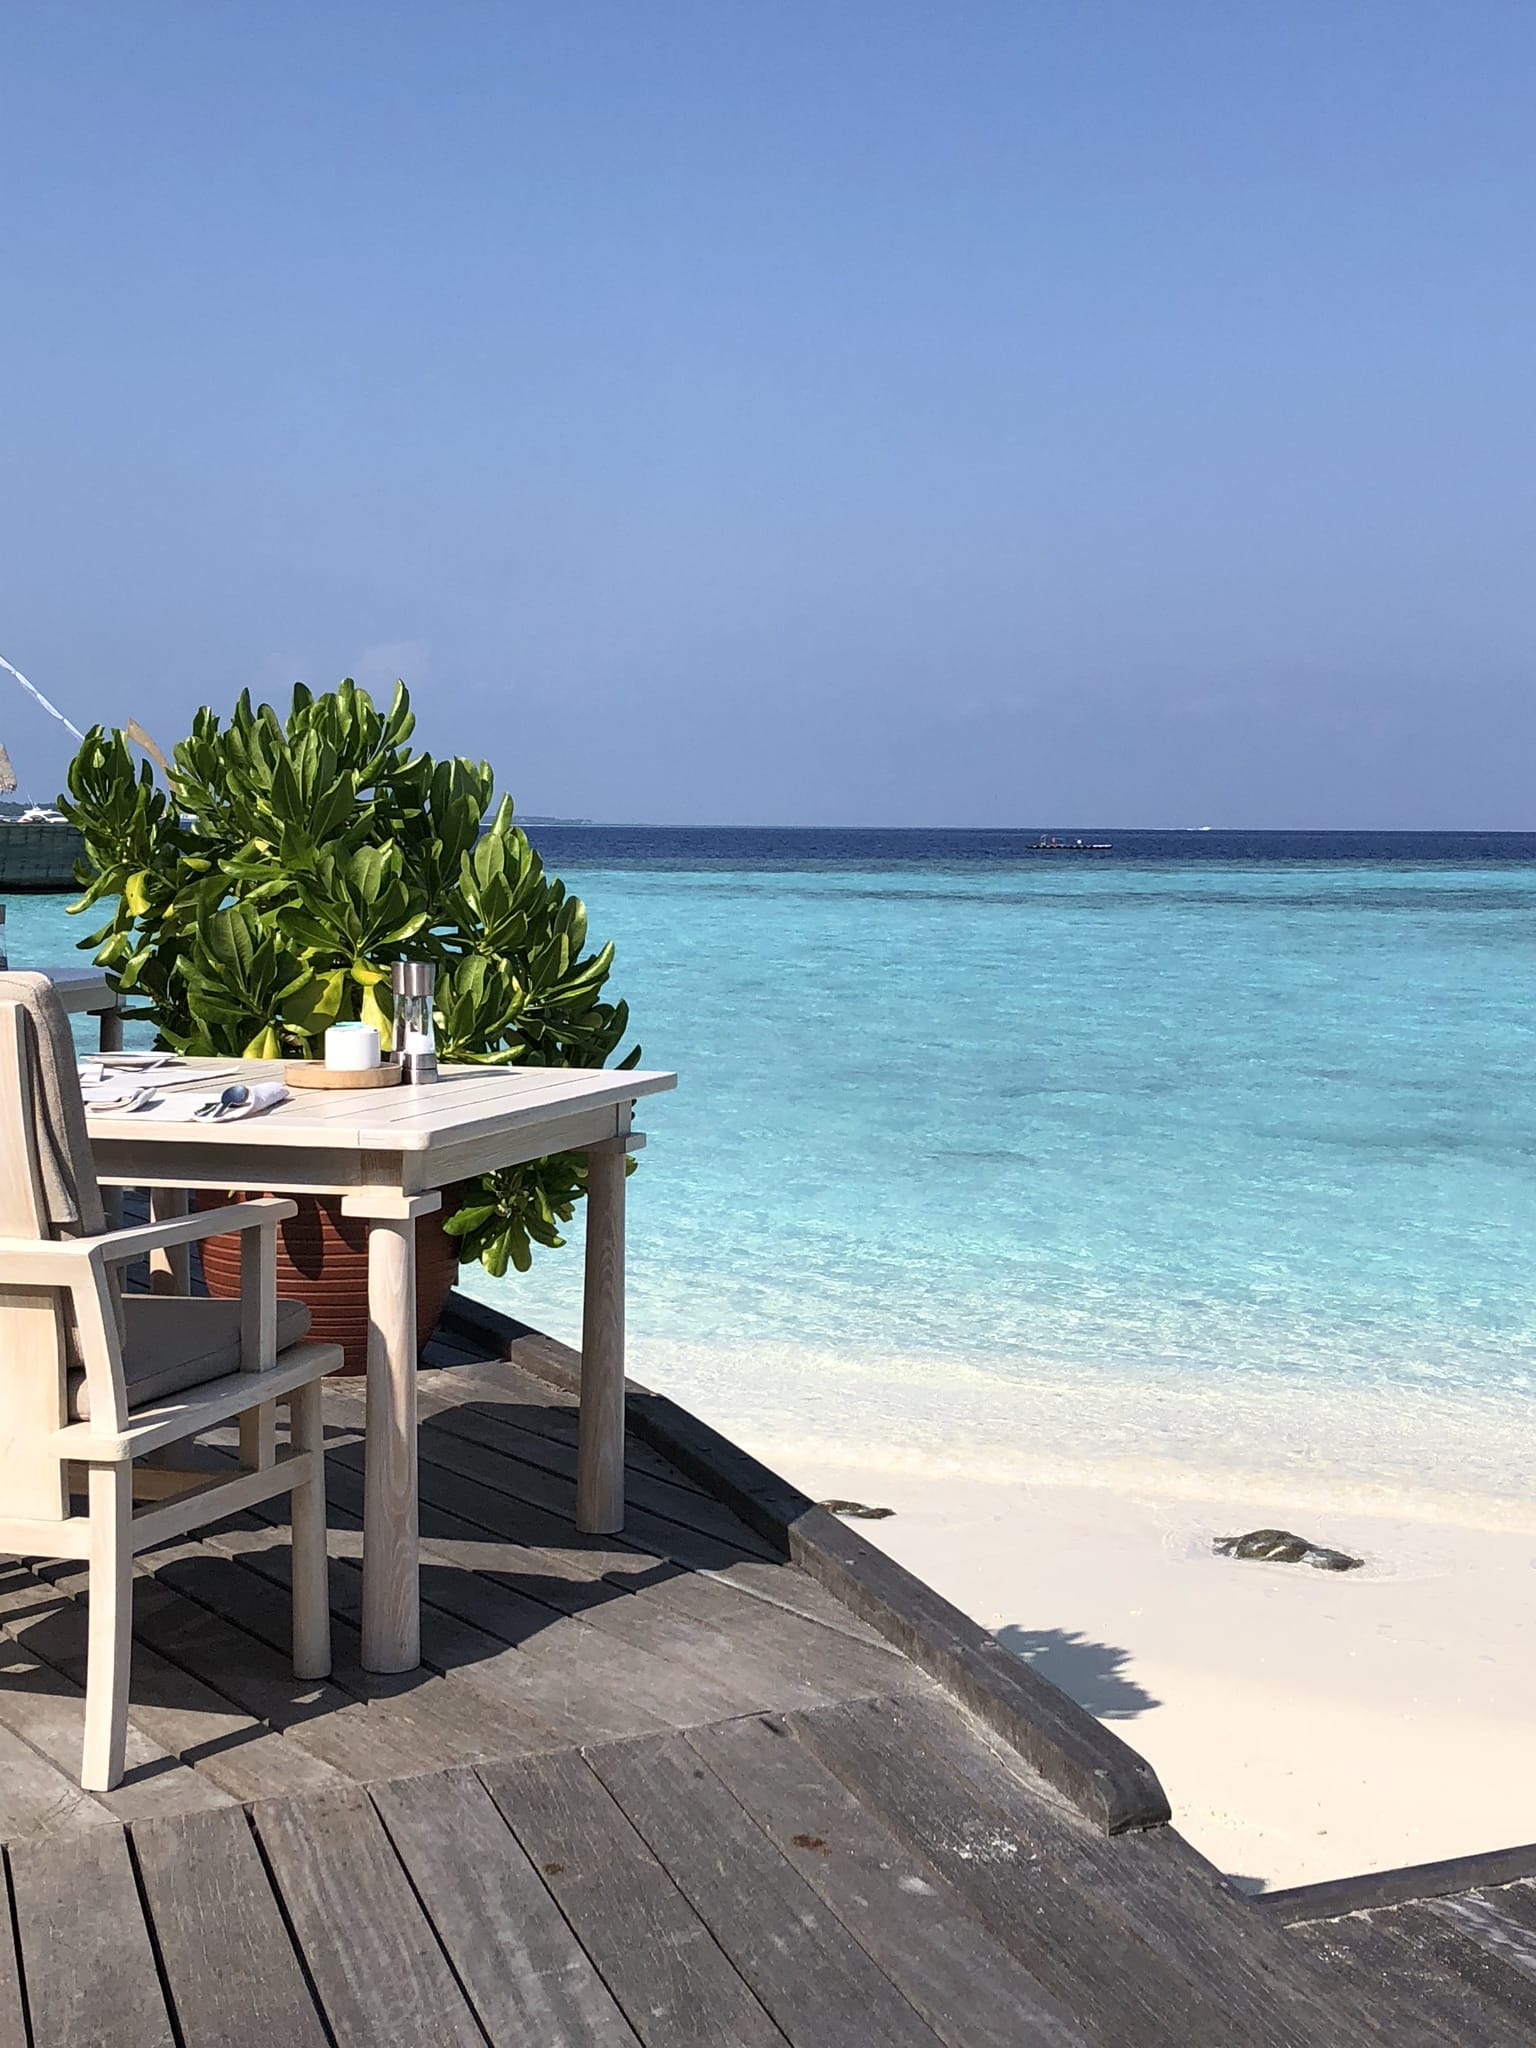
x=175, y=1342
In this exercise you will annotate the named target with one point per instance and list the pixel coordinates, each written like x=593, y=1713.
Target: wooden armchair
x=92, y=1379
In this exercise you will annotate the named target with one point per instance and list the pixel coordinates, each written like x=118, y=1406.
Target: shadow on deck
x=662, y=1788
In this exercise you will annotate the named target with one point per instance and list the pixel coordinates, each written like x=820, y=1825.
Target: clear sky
x=797, y=411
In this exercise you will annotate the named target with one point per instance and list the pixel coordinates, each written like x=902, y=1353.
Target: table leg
x=391, y=1571
x=170, y=1267
x=110, y=1039
x=600, y=1438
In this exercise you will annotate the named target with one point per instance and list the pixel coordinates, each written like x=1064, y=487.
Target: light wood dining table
x=86, y=992
x=389, y=1152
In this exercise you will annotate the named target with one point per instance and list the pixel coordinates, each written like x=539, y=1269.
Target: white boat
x=38, y=848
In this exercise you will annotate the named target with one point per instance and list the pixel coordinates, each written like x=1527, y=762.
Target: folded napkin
x=119, y=1068
x=264, y=1095
x=113, y=1098
x=183, y=1107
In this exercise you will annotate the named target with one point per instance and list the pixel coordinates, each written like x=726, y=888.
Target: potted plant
x=264, y=896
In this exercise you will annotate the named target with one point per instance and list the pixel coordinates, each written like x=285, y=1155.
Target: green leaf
x=293, y=857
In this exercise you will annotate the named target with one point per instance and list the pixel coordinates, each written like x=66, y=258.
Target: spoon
x=232, y=1098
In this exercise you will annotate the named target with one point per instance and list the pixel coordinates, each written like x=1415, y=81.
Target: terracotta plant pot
x=322, y=1260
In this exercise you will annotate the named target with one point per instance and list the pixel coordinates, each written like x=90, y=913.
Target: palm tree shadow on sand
x=1091, y=1673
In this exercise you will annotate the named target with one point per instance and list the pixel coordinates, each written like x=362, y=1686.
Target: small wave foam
x=1423, y=1454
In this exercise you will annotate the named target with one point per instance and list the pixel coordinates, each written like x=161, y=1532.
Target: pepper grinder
x=413, y=1044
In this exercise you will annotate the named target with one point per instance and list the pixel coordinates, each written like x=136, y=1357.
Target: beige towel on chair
x=70, y=1187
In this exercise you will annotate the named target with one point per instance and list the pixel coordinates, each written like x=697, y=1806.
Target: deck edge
x=1376, y=1889
x=1103, y=1777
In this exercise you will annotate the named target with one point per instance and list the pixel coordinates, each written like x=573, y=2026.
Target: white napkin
x=264, y=1095
x=182, y=1107
x=113, y=1098
x=121, y=1067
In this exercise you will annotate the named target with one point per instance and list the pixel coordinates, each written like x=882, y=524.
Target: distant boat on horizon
x=1053, y=845
x=38, y=848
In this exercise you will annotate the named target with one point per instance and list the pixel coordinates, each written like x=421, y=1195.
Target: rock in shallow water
x=1279, y=1546
x=856, y=1510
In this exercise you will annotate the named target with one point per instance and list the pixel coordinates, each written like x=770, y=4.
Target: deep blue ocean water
x=1209, y=1160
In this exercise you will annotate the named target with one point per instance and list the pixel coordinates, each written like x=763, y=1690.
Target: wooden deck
x=661, y=1790
x=1451, y=1947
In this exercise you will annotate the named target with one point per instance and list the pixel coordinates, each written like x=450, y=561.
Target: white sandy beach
x=1306, y=1725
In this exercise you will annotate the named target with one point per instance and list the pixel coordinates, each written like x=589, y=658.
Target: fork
x=232, y=1098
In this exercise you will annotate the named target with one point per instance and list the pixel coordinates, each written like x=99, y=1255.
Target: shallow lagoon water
x=1206, y=1163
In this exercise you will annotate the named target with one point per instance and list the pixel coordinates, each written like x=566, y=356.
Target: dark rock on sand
x=1279, y=1546
x=855, y=1509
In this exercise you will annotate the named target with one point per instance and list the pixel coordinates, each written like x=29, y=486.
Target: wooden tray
x=316, y=1074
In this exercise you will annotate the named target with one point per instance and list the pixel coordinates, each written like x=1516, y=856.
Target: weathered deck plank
x=655, y=1954
x=719, y=1542
x=86, y=1957
x=460, y=1506
x=1514, y=1902
x=1065, y=1934
x=13, y=2012
x=47, y=1711
x=968, y=1987
x=341, y=1729
x=230, y=1968
x=376, y=1965
x=544, y=1421
x=523, y=1969
x=747, y=1653
x=1495, y=1980
x=1413, y=2004
x=233, y=1751
x=41, y=1798
x=1164, y=1891
x=711, y=1534
x=801, y=1963
x=805, y=1644
x=558, y=1685
x=428, y=1717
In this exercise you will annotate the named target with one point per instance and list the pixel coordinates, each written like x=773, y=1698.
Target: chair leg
x=258, y=1437
x=109, y=1626
x=311, y=1573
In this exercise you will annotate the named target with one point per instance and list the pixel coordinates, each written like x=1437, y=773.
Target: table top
x=81, y=989
x=462, y=1104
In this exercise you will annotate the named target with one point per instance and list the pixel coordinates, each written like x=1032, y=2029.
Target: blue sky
x=761, y=410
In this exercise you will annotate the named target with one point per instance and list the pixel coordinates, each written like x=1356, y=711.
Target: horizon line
x=1186, y=831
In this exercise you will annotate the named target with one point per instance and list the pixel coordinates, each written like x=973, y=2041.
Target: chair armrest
x=119, y=1245
x=43, y=1261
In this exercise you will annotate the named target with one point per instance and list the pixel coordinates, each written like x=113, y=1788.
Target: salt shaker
x=413, y=1045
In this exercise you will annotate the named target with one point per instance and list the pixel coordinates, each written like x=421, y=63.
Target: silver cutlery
x=235, y=1097
x=99, y=1102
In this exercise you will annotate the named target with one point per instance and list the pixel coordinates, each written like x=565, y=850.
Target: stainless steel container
x=413, y=1043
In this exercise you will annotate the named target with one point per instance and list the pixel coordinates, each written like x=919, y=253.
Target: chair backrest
x=48, y=1189
x=23, y=1205
x=47, y=1171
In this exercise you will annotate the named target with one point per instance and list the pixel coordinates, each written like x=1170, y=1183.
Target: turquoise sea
x=1210, y=1161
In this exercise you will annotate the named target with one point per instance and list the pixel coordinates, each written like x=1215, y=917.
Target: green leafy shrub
x=264, y=896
